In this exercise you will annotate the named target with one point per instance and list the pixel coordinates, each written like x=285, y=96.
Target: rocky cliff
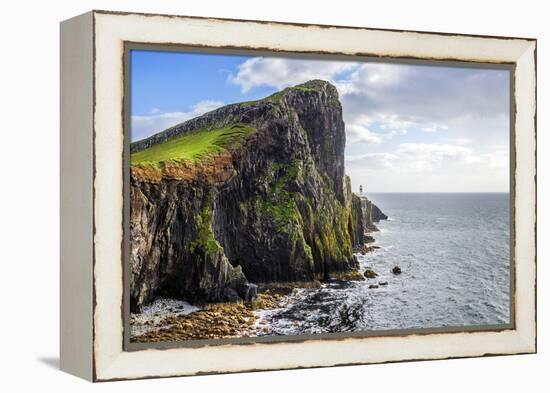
x=249, y=193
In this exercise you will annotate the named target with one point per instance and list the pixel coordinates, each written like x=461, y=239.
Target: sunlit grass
x=193, y=146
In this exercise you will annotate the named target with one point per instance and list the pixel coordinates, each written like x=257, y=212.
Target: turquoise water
x=453, y=250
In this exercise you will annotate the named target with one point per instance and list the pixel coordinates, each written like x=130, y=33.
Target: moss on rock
x=205, y=240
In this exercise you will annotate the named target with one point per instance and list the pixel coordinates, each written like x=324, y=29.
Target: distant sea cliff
x=249, y=193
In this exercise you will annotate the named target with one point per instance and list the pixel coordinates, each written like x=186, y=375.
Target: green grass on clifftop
x=193, y=146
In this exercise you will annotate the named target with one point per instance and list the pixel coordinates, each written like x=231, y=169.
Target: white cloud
x=358, y=134
x=498, y=157
x=462, y=141
x=434, y=128
x=205, y=106
x=393, y=97
x=147, y=125
x=392, y=121
x=373, y=162
x=431, y=99
x=432, y=167
x=281, y=73
x=368, y=77
x=421, y=157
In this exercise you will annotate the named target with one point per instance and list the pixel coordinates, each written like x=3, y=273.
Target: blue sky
x=408, y=127
x=175, y=81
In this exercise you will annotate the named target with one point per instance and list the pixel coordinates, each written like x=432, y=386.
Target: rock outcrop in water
x=269, y=202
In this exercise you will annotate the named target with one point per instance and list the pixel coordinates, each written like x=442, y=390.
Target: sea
x=453, y=250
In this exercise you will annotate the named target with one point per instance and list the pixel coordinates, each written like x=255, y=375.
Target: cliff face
x=368, y=214
x=268, y=202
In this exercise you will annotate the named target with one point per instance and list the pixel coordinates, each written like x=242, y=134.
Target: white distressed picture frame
x=92, y=151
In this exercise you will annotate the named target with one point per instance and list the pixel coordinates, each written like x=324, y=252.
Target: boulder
x=369, y=239
x=230, y=295
x=370, y=273
x=247, y=291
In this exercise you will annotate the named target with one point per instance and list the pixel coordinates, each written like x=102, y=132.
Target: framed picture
x=245, y=195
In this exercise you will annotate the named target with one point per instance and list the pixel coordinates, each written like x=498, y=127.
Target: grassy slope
x=193, y=146
x=201, y=143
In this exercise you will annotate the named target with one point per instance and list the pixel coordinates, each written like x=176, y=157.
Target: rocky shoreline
x=236, y=319
x=218, y=320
